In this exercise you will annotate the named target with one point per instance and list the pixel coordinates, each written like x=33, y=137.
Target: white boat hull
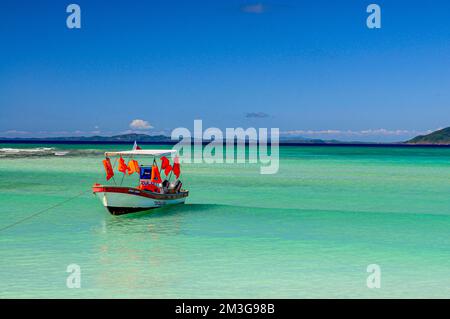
x=123, y=200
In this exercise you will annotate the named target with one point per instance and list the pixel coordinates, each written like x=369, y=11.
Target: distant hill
x=116, y=138
x=124, y=138
x=441, y=137
x=142, y=138
x=151, y=139
x=300, y=139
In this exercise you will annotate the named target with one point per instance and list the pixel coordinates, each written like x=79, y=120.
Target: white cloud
x=140, y=125
x=15, y=132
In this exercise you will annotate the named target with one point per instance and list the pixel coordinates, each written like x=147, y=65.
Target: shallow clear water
x=309, y=231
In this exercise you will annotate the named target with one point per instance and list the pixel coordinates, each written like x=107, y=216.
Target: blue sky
x=311, y=68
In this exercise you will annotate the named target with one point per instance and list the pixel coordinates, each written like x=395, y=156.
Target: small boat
x=61, y=153
x=152, y=191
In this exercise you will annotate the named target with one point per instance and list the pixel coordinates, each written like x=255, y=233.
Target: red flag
x=108, y=169
x=164, y=162
x=176, y=167
x=167, y=169
x=136, y=147
x=122, y=166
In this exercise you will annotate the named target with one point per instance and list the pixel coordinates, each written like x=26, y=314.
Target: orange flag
x=133, y=167
x=108, y=169
x=122, y=166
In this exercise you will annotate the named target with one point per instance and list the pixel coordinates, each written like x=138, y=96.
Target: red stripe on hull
x=137, y=192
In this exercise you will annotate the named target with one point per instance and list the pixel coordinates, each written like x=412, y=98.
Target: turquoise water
x=309, y=231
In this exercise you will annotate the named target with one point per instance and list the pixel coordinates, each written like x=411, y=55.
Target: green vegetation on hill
x=437, y=137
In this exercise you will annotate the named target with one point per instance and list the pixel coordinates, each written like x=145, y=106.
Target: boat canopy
x=155, y=153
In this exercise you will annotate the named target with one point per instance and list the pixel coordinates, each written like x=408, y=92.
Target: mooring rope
x=43, y=211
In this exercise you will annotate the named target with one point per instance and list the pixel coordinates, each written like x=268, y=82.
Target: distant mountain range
x=116, y=138
x=440, y=137
x=140, y=138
